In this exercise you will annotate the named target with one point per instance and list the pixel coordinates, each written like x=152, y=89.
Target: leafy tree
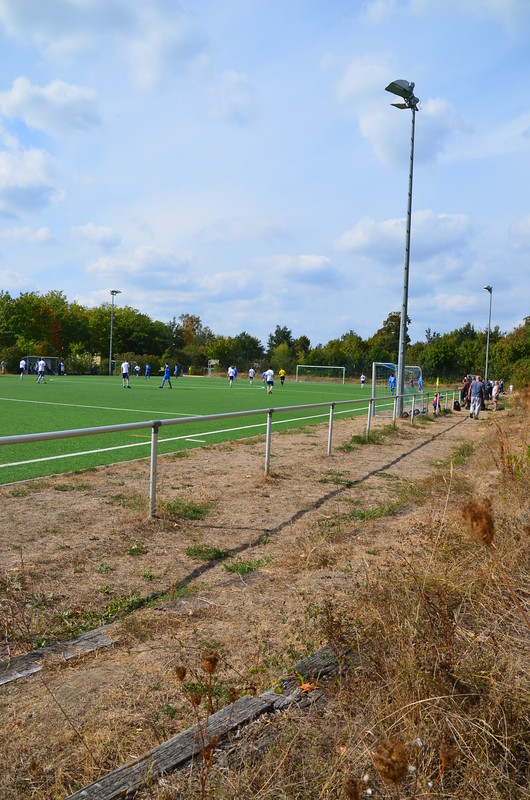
x=281, y=358
x=301, y=347
x=247, y=349
x=384, y=344
x=280, y=336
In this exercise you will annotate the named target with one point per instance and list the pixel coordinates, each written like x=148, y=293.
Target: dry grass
x=439, y=705
x=436, y=702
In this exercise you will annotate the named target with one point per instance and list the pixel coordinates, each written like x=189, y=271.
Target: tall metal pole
x=405, y=90
x=490, y=290
x=405, y=299
x=113, y=292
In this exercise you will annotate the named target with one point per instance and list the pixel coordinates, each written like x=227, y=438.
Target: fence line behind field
x=422, y=399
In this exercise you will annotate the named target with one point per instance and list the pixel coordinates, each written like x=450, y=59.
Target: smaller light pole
x=113, y=292
x=490, y=290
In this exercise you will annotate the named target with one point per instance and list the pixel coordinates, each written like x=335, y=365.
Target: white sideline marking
x=185, y=437
x=96, y=408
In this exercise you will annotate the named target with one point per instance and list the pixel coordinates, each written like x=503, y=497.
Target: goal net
x=384, y=385
x=51, y=364
x=314, y=372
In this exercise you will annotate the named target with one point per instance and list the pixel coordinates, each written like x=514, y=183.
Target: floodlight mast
x=490, y=290
x=113, y=292
x=405, y=90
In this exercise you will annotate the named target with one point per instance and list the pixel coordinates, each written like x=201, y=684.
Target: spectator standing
x=476, y=397
x=495, y=395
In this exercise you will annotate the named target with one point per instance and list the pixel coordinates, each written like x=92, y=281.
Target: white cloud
x=15, y=282
x=157, y=38
x=302, y=269
x=240, y=283
x=431, y=234
x=27, y=179
x=97, y=234
x=25, y=234
x=149, y=266
x=56, y=108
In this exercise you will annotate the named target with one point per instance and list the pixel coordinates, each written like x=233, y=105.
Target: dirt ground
x=78, y=544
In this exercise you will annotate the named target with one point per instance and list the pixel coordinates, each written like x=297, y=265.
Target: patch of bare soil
x=79, y=551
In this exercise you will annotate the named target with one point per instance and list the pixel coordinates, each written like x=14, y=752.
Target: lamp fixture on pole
x=113, y=292
x=405, y=90
x=490, y=290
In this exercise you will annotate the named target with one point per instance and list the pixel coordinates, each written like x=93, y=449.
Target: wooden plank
x=181, y=749
x=27, y=664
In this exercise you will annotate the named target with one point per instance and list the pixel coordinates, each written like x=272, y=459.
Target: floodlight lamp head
x=488, y=288
x=114, y=292
x=405, y=90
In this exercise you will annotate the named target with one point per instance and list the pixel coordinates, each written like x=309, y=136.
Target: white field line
x=96, y=408
x=186, y=437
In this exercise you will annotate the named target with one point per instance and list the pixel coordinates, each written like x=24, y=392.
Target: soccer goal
x=51, y=364
x=312, y=372
x=384, y=385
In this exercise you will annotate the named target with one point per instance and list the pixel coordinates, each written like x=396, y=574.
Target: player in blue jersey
x=392, y=383
x=166, y=377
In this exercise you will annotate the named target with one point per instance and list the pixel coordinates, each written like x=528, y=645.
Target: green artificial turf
x=72, y=402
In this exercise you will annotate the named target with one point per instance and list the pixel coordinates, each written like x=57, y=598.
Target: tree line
x=47, y=324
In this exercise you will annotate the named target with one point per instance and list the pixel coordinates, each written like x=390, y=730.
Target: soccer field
x=71, y=402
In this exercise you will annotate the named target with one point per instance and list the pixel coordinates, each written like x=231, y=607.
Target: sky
x=240, y=160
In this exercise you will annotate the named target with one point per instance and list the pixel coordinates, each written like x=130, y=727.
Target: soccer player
x=166, y=377
x=176, y=371
x=125, y=374
x=230, y=375
x=137, y=370
x=41, y=369
x=420, y=383
x=363, y=379
x=251, y=374
x=269, y=379
x=147, y=372
x=22, y=368
x=392, y=383
x=282, y=373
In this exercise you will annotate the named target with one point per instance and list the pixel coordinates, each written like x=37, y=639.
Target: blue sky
x=241, y=160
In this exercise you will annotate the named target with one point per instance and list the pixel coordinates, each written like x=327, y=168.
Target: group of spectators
x=474, y=393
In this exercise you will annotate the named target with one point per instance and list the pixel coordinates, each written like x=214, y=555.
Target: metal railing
x=155, y=426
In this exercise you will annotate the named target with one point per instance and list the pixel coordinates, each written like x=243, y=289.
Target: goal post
x=384, y=384
x=307, y=372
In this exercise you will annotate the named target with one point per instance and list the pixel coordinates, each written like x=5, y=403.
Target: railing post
x=152, y=479
x=394, y=412
x=330, y=430
x=268, y=441
x=412, y=409
x=369, y=416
